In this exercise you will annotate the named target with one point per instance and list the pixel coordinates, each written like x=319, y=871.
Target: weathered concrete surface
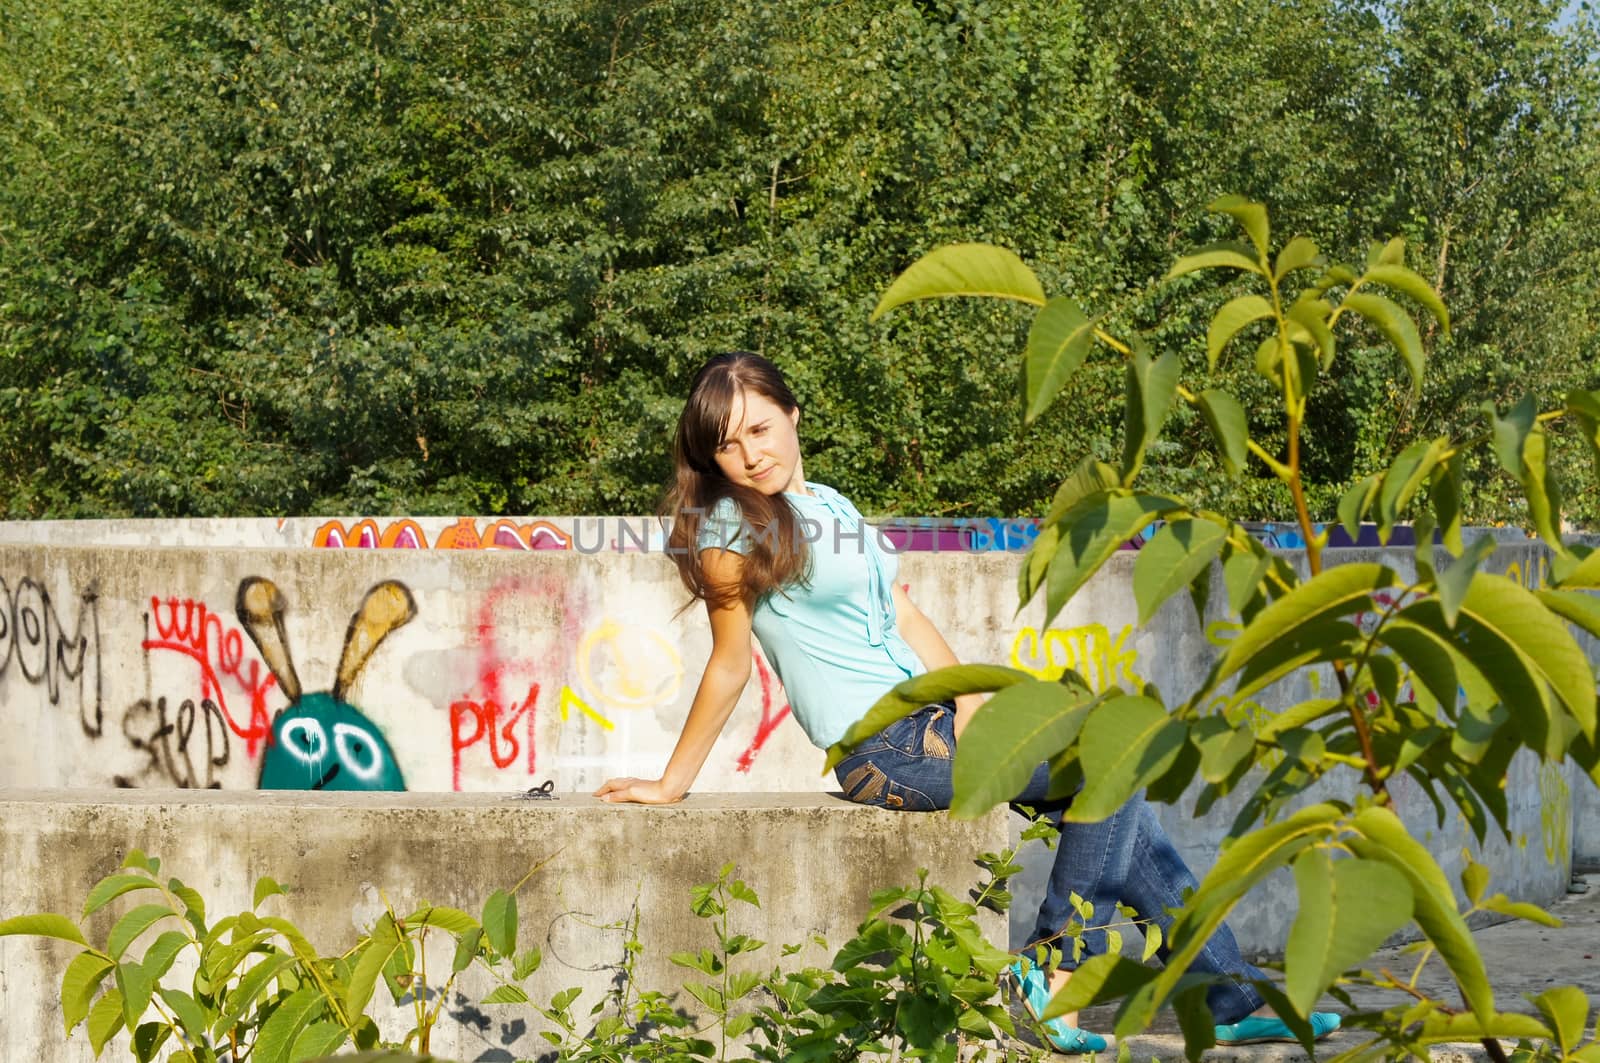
x=130, y=666
x=814, y=859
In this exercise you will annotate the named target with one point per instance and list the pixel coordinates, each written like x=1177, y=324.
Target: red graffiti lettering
x=769, y=721
x=187, y=627
x=490, y=718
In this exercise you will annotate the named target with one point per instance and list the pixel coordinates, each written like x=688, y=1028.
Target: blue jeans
x=1126, y=858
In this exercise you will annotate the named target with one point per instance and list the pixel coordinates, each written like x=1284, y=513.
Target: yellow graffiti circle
x=628, y=666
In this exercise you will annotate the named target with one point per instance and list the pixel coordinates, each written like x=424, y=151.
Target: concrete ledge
x=814, y=859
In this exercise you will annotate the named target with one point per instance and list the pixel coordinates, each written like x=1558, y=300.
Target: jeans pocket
x=865, y=783
x=921, y=734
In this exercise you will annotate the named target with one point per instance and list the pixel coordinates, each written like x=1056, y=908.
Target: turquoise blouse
x=833, y=638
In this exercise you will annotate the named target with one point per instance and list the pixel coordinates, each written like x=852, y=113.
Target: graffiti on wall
x=321, y=741
x=185, y=744
x=514, y=661
x=769, y=719
x=38, y=650
x=187, y=628
x=1091, y=650
x=406, y=534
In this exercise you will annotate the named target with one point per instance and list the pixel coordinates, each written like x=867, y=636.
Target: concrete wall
x=814, y=861
x=131, y=667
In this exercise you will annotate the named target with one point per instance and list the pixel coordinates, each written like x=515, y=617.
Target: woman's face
x=762, y=446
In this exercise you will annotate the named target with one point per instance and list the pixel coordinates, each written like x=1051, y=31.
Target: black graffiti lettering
x=33, y=638
x=173, y=741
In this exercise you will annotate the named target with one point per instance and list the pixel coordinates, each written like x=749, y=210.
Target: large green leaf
x=381, y=945
x=1543, y=491
x=1355, y=502
x=1009, y=737
x=1127, y=742
x=1410, y=469
x=1431, y=658
x=1446, y=498
x=1170, y=561
x=1409, y=282
x=450, y=920
x=1510, y=433
x=1152, y=385
x=1094, y=530
x=1251, y=216
x=1381, y=836
x=1577, y=570
x=1440, y=1028
x=1583, y=412
x=1091, y=477
x=1298, y=253
x=1518, y=619
x=1322, y=642
x=1453, y=583
x=1225, y=255
x=1347, y=909
x=963, y=269
x=1338, y=591
x=114, y=886
x=1574, y=606
x=105, y=1019
x=48, y=925
x=1058, y=342
x=1312, y=314
x=1226, y=419
x=134, y=923
x=78, y=986
x=317, y=1040
x=163, y=951
x=249, y=988
x=1397, y=326
x=500, y=922
x=1245, y=861
x=282, y=1029
x=1234, y=315
x=1097, y=980
x=136, y=985
x=266, y=887
x=1566, y=1009
x=929, y=688
x=190, y=1015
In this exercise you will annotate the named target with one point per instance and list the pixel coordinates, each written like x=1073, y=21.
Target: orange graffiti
x=405, y=534
x=364, y=535
x=503, y=535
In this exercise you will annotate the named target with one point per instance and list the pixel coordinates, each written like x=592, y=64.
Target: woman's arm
x=726, y=673
x=931, y=649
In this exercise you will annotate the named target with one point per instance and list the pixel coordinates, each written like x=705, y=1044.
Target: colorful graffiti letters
x=1091, y=650
x=186, y=627
x=37, y=647
x=463, y=535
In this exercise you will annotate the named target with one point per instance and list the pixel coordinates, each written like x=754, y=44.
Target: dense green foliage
x=415, y=256
x=1431, y=669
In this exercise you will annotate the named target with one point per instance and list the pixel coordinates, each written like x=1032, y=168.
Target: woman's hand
x=638, y=791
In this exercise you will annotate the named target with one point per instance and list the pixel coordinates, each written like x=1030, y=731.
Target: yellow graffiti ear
x=260, y=608
x=387, y=606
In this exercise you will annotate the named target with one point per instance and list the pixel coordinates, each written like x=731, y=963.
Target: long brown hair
x=775, y=553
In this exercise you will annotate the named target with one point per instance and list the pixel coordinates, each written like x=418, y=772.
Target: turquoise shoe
x=1259, y=1029
x=1034, y=992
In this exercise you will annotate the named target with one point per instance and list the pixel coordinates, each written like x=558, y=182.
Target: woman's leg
x=1128, y=857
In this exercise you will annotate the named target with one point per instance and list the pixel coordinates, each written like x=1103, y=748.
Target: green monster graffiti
x=321, y=741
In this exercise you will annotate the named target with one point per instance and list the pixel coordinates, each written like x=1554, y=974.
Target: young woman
x=772, y=553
